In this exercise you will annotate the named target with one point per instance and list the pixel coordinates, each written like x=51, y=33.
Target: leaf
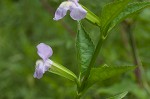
x=62, y=71
x=132, y=87
x=85, y=48
x=91, y=17
x=129, y=10
x=105, y=72
x=110, y=12
x=119, y=96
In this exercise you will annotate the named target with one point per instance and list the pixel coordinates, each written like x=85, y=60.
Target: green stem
x=78, y=96
x=78, y=88
x=62, y=71
x=139, y=71
x=92, y=62
x=135, y=55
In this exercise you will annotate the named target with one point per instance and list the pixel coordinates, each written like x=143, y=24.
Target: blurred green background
x=26, y=23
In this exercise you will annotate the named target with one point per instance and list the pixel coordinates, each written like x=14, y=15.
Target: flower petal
x=77, y=12
x=40, y=70
x=74, y=0
x=47, y=64
x=44, y=51
x=62, y=10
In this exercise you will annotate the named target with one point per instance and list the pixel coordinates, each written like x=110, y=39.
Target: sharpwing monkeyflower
x=44, y=51
x=76, y=10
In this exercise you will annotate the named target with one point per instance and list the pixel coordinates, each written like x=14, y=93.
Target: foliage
x=119, y=96
x=25, y=23
x=85, y=48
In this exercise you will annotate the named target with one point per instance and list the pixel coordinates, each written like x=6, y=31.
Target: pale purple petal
x=39, y=71
x=47, y=64
x=62, y=10
x=44, y=51
x=74, y=0
x=78, y=13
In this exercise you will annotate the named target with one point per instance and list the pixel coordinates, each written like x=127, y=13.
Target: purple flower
x=44, y=51
x=76, y=11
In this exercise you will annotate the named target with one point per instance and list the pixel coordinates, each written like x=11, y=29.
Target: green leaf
x=119, y=96
x=91, y=17
x=110, y=12
x=85, y=48
x=62, y=71
x=105, y=72
x=129, y=10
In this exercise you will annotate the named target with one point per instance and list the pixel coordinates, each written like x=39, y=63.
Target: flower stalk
x=63, y=71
